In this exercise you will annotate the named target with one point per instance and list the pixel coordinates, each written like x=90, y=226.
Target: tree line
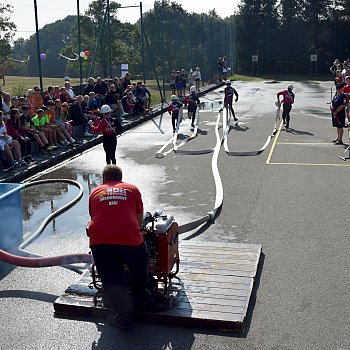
x=283, y=34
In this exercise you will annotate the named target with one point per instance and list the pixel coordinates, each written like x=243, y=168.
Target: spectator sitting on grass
x=31, y=131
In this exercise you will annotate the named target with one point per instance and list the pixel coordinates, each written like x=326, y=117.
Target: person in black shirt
x=339, y=102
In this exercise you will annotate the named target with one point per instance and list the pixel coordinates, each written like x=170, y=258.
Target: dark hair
x=13, y=111
x=112, y=173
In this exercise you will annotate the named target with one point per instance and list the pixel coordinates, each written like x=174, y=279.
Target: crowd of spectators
x=48, y=118
x=180, y=78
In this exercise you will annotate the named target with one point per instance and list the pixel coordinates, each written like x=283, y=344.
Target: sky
x=51, y=11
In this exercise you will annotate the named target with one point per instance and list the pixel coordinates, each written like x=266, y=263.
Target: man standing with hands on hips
x=116, y=242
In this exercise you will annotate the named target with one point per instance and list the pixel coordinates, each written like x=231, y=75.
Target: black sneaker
x=125, y=323
x=235, y=119
x=220, y=110
x=287, y=126
x=9, y=167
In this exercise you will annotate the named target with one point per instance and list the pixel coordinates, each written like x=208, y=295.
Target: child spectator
x=147, y=96
x=31, y=102
x=58, y=120
x=92, y=101
x=128, y=103
x=31, y=131
x=197, y=77
x=6, y=142
x=38, y=99
x=15, y=130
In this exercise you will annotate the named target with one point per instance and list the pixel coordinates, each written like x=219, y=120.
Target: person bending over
x=116, y=211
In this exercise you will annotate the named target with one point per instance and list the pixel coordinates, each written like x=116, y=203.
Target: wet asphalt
x=292, y=199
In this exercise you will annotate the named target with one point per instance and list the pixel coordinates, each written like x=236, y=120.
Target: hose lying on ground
x=37, y=261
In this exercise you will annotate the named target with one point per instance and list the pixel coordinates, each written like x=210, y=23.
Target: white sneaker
x=87, y=134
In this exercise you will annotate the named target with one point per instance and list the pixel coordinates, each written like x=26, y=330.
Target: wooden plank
x=213, y=288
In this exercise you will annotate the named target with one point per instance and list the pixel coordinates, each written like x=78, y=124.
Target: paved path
x=292, y=199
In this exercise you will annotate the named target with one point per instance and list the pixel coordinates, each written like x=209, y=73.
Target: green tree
x=257, y=31
x=125, y=40
x=7, y=30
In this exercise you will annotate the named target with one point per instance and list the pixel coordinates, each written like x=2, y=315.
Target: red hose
x=44, y=262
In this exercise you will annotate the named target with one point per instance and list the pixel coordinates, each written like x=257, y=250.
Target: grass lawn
x=19, y=85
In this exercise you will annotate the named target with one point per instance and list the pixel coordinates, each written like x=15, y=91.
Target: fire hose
x=210, y=217
x=33, y=260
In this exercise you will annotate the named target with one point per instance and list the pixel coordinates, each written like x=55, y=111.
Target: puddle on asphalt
x=210, y=105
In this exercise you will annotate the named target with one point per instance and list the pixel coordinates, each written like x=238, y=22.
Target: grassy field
x=19, y=85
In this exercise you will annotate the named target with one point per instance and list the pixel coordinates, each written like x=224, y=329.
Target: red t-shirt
x=113, y=208
x=346, y=89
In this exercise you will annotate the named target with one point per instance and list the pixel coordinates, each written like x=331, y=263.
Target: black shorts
x=339, y=121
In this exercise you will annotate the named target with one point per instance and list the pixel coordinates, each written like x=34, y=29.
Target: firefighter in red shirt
x=109, y=127
x=116, y=211
x=288, y=100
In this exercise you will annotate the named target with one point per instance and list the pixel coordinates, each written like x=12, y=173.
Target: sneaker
x=338, y=142
x=235, y=119
x=87, y=134
x=221, y=110
x=335, y=140
x=125, y=323
x=72, y=141
x=192, y=125
x=287, y=126
x=125, y=114
x=16, y=163
x=51, y=147
x=9, y=167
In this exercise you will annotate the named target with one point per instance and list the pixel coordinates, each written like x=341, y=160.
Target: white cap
x=174, y=98
x=290, y=87
x=192, y=89
x=105, y=109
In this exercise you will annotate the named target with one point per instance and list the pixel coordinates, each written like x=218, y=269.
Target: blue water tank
x=11, y=227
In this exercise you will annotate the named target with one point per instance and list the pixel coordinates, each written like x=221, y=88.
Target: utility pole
x=109, y=40
x=142, y=44
x=79, y=49
x=38, y=44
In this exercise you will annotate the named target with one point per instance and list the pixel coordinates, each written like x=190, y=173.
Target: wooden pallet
x=212, y=288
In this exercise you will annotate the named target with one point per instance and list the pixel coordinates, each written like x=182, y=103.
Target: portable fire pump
x=160, y=234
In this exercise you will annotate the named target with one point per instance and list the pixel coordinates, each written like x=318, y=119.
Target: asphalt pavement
x=292, y=199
